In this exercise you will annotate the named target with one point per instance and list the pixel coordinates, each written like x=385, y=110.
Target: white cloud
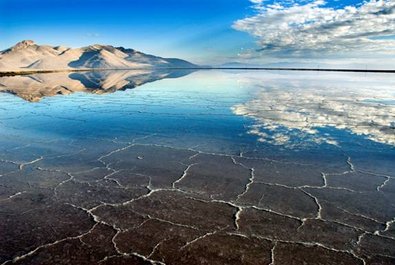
x=256, y=1
x=312, y=27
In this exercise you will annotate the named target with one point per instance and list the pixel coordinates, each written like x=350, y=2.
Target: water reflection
x=36, y=86
x=288, y=108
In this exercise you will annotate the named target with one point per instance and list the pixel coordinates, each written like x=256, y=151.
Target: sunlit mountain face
x=29, y=56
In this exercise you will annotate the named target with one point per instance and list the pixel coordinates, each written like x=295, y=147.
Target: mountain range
x=27, y=56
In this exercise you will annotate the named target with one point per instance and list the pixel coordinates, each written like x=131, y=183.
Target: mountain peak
x=23, y=45
x=99, y=47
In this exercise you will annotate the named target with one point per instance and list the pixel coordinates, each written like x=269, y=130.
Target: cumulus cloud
x=302, y=27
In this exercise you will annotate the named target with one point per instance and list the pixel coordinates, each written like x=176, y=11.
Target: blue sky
x=196, y=29
x=204, y=31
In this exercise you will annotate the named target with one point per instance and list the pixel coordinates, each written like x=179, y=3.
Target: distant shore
x=35, y=71
x=306, y=69
x=29, y=72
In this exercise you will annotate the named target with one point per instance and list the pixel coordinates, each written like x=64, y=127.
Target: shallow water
x=206, y=167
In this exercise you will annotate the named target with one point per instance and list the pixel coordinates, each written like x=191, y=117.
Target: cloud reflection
x=289, y=109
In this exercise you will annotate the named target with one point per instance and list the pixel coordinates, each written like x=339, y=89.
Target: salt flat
x=214, y=167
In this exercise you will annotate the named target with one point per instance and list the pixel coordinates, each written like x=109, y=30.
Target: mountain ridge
x=27, y=55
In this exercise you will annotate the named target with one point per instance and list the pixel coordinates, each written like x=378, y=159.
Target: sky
x=272, y=32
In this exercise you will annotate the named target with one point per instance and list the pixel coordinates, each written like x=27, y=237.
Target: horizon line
x=34, y=71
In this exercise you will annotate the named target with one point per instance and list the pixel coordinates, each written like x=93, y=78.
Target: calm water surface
x=206, y=167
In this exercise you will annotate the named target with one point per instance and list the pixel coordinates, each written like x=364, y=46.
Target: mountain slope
x=26, y=55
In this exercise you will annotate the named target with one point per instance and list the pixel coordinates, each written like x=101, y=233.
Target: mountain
x=36, y=86
x=27, y=55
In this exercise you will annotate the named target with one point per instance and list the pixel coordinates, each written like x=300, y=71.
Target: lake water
x=204, y=167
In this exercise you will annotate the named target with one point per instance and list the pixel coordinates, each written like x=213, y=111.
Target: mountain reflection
x=36, y=86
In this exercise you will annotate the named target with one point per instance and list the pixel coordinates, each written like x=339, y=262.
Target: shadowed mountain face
x=34, y=87
x=27, y=55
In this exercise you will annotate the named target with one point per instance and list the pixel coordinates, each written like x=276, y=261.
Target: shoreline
x=28, y=72
x=306, y=69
